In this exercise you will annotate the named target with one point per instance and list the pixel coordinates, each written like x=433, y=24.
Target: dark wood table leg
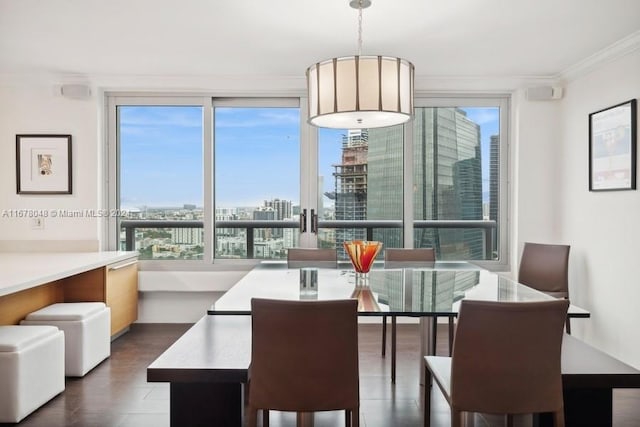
x=207, y=404
x=583, y=408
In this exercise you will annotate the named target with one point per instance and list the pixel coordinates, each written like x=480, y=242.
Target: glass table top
x=432, y=290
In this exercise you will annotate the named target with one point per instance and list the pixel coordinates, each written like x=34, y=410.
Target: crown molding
x=295, y=84
x=617, y=50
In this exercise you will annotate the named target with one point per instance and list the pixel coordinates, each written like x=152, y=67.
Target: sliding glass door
x=256, y=177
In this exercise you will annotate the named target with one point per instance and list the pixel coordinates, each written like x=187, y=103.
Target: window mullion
x=208, y=176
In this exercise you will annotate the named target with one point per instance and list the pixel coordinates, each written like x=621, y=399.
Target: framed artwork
x=612, y=148
x=43, y=164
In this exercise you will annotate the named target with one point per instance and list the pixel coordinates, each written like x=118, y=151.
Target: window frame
x=305, y=162
x=502, y=101
x=308, y=162
x=111, y=165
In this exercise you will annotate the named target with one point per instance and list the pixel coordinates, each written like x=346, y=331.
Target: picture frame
x=43, y=164
x=612, y=147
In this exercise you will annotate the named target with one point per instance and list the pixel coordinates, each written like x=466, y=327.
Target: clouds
x=250, y=118
x=483, y=116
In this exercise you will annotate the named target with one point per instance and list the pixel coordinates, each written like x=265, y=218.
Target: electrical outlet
x=37, y=223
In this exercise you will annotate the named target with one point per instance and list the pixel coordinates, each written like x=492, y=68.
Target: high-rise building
x=494, y=188
x=385, y=179
x=447, y=176
x=187, y=236
x=447, y=182
x=227, y=214
x=467, y=183
x=282, y=210
x=264, y=214
x=351, y=186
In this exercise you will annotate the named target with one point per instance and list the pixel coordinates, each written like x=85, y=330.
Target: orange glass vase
x=362, y=254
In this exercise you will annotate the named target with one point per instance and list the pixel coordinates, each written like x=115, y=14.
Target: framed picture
x=612, y=148
x=43, y=164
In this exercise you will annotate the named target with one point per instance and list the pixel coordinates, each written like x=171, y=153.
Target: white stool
x=87, y=329
x=31, y=368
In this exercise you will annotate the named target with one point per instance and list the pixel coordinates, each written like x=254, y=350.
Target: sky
x=257, y=154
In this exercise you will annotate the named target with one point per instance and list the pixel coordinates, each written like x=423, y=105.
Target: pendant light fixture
x=354, y=92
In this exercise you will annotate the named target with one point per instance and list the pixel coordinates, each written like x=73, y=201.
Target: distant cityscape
x=367, y=184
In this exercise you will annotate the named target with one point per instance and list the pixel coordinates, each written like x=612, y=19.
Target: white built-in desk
x=32, y=280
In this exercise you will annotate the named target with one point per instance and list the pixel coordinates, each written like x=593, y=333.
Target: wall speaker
x=76, y=91
x=544, y=93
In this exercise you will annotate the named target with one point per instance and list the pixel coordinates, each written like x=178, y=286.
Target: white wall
x=36, y=109
x=535, y=173
x=603, y=228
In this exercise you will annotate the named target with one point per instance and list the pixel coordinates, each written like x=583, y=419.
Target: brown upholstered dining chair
x=398, y=258
x=506, y=360
x=546, y=268
x=310, y=257
x=304, y=358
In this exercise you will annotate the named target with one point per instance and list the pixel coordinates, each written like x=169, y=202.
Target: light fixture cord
x=360, y=28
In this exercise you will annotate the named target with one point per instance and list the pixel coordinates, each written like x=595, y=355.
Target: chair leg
x=451, y=332
x=434, y=336
x=253, y=417
x=427, y=397
x=456, y=418
x=355, y=417
x=558, y=418
x=305, y=419
x=384, y=335
x=265, y=418
x=568, y=325
x=509, y=420
x=393, y=349
x=347, y=417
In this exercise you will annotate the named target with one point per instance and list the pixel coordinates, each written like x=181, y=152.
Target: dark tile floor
x=116, y=393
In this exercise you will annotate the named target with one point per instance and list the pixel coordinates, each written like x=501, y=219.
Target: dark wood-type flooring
x=116, y=392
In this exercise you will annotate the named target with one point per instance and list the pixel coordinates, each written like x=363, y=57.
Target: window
x=257, y=178
x=459, y=180
x=204, y=178
x=157, y=164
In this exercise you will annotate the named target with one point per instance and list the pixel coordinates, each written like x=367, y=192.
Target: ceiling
x=281, y=38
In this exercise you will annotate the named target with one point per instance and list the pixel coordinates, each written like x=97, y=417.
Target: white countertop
x=24, y=270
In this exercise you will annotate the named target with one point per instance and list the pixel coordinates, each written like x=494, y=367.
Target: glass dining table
x=423, y=291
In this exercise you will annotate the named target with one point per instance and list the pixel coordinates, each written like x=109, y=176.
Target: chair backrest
x=310, y=257
x=398, y=257
x=507, y=357
x=545, y=268
x=304, y=355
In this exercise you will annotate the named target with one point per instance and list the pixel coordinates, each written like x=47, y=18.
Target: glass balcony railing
x=270, y=239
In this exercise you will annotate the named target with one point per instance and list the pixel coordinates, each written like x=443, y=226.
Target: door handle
x=314, y=222
x=303, y=221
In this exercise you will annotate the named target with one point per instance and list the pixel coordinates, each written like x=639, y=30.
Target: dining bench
x=207, y=369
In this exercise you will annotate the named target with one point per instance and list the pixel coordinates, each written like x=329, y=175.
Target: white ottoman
x=87, y=330
x=31, y=369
